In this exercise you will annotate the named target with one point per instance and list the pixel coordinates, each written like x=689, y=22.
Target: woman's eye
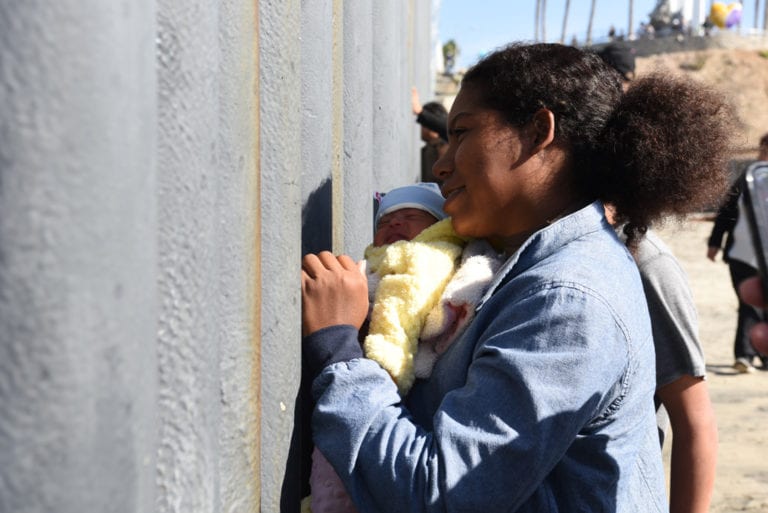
x=457, y=132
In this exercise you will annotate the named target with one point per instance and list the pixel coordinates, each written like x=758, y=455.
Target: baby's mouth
x=395, y=237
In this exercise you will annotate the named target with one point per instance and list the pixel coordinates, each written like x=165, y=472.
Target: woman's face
x=493, y=179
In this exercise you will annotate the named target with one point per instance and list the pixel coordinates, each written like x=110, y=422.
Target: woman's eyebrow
x=458, y=117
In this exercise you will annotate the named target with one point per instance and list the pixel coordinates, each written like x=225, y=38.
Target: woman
x=545, y=403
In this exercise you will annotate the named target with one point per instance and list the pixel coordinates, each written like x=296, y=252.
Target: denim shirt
x=545, y=403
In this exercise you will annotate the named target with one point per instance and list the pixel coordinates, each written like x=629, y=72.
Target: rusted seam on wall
x=337, y=172
x=256, y=285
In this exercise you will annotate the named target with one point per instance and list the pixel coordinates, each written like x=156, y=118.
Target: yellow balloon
x=718, y=13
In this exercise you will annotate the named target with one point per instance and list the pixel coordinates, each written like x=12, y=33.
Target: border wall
x=163, y=167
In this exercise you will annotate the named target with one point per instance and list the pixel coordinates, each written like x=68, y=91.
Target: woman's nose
x=441, y=169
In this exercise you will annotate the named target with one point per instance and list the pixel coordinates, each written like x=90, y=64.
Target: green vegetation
x=696, y=64
x=450, y=52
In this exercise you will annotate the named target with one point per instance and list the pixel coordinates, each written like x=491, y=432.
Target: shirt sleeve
x=328, y=346
x=674, y=319
x=533, y=384
x=726, y=217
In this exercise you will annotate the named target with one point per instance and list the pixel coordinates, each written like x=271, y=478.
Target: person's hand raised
x=334, y=291
x=416, y=106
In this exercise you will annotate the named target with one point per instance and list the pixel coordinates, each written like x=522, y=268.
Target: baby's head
x=405, y=211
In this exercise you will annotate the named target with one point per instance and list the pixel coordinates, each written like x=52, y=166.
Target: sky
x=481, y=25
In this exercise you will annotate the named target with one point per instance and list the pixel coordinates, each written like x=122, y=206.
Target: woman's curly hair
x=665, y=151
x=658, y=150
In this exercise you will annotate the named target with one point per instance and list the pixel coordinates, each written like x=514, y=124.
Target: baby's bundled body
x=424, y=282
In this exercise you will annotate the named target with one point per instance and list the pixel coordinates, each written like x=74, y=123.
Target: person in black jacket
x=621, y=58
x=738, y=253
x=432, y=116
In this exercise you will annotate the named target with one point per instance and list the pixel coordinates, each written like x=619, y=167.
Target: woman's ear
x=542, y=127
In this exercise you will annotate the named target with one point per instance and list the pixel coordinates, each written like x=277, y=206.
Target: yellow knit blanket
x=412, y=276
x=415, y=287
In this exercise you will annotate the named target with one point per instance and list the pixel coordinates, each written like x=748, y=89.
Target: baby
x=414, y=254
x=423, y=292
x=424, y=282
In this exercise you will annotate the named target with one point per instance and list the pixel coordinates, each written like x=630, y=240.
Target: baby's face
x=403, y=224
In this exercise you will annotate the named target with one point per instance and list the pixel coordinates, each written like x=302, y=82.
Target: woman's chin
x=462, y=229
x=452, y=200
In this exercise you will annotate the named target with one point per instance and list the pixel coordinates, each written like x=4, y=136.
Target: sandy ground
x=740, y=400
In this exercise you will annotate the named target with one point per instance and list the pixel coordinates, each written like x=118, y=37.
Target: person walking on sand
x=739, y=254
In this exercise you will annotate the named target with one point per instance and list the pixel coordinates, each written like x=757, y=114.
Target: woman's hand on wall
x=334, y=291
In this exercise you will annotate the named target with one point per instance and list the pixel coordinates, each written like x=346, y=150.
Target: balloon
x=734, y=15
x=718, y=14
x=725, y=16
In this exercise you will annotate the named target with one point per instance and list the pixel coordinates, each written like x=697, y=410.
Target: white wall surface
x=163, y=167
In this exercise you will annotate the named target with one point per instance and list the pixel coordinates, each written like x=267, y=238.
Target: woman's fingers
x=333, y=292
x=347, y=263
x=314, y=264
x=329, y=260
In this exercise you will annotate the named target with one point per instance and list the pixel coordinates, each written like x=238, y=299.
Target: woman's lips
x=451, y=194
x=447, y=194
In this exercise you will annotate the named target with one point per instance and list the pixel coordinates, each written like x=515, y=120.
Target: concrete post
x=78, y=257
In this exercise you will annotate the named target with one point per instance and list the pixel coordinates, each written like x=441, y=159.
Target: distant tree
x=765, y=16
x=565, y=20
x=591, y=20
x=450, y=52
